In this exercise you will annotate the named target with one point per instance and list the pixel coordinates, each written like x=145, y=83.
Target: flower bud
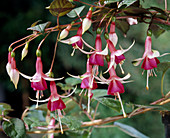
x=87, y=21
x=24, y=51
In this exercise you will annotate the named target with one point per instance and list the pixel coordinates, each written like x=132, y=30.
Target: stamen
x=41, y=94
x=147, y=80
x=88, y=106
x=124, y=114
x=85, y=92
x=60, y=124
x=154, y=73
x=72, y=54
x=121, y=69
x=81, y=92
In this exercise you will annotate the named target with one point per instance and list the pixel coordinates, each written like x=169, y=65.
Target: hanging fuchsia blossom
x=38, y=81
x=149, y=58
x=97, y=57
x=55, y=102
x=112, y=35
x=117, y=56
x=88, y=82
x=115, y=84
x=87, y=21
x=80, y=42
x=8, y=66
x=12, y=70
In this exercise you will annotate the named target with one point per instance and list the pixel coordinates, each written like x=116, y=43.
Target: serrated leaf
x=126, y=2
x=123, y=26
x=4, y=108
x=130, y=130
x=156, y=30
x=60, y=7
x=15, y=128
x=40, y=27
x=72, y=122
x=110, y=102
x=163, y=66
x=73, y=13
x=72, y=81
x=99, y=93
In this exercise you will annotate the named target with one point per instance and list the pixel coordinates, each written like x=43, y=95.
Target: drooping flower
x=149, y=58
x=38, y=81
x=76, y=41
x=115, y=84
x=97, y=57
x=117, y=56
x=8, y=66
x=51, y=125
x=14, y=73
x=87, y=21
x=112, y=35
x=88, y=82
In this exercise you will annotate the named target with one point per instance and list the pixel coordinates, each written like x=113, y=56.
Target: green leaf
x=163, y=26
x=110, y=102
x=99, y=93
x=64, y=86
x=156, y=30
x=40, y=27
x=73, y=13
x=60, y=7
x=126, y=2
x=72, y=122
x=122, y=26
x=4, y=108
x=15, y=128
x=135, y=11
x=72, y=81
x=163, y=66
x=33, y=122
x=130, y=130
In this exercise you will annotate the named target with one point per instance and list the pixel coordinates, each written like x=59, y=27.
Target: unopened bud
x=24, y=51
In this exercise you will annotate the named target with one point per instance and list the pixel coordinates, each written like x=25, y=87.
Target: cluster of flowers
x=96, y=59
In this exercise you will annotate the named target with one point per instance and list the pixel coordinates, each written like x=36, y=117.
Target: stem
x=96, y=110
x=52, y=63
x=162, y=83
x=24, y=43
x=20, y=40
x=43, y=40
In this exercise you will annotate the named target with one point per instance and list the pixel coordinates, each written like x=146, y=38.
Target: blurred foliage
x=17, y=15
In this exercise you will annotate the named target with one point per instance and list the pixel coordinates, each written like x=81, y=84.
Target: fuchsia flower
x=38, y=81
x=11, y=68
x=115, y=84
x=88, y=82
x=117, y=56
x=97, y=57
x=112, y=35
x=55, y=102
x=76, y=41
x=149, y=58
x=87, y=21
